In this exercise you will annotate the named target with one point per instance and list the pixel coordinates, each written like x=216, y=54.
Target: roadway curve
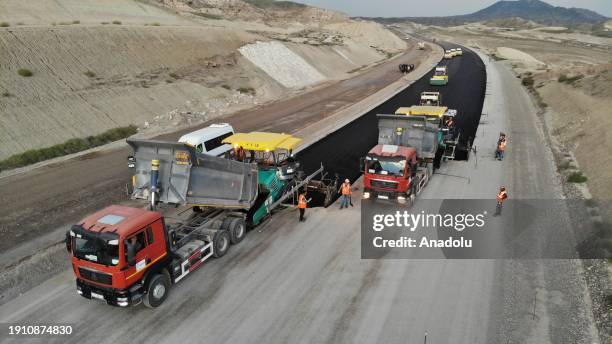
x=305, y=282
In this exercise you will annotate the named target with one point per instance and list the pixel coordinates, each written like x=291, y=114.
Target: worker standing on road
x=501, y=147
x=345, y=194
x=502, y=195
x=302, y=204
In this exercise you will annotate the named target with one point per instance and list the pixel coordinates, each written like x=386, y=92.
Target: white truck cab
x=209, y=140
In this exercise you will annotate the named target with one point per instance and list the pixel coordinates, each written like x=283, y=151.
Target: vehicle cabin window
x=150, y=237
x=216, y=142
x=200, y=148
x=138, y=240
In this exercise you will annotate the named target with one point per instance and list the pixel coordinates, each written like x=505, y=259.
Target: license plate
x=383, y=197
x=97, y=296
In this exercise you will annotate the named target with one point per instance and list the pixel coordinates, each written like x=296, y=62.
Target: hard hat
x=347, y=181
x=503, y=187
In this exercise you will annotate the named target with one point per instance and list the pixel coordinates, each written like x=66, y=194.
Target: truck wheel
x=157, y=290
x=237, y=230
x=221, y=243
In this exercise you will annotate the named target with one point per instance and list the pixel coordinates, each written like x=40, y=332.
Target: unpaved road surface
x=305, y=282
x=46, y=198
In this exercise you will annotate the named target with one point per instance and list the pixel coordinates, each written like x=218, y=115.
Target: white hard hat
x=347, y=181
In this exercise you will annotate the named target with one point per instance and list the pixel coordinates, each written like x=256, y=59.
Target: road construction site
x=292, y=281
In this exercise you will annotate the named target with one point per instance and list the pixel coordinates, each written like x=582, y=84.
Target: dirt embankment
x=569, y=72
x=99, y=65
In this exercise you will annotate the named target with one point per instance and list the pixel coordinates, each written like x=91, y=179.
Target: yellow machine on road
x=440, y=77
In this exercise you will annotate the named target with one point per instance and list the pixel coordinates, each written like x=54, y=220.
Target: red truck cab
x=388, y=172
x=115, y=250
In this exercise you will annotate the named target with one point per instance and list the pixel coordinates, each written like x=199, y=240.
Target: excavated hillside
x=163, y=65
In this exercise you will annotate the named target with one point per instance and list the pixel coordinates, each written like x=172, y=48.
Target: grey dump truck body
x=409, y=131
x=186, y=177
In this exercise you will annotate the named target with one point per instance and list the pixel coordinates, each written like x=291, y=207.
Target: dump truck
x=402, y=162
x=421, y=45
x=440, y=76
x=126, y=256
x=448, y=54
x=411, y=144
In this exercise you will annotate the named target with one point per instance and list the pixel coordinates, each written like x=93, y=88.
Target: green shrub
x=76, y=22
x=207, y=15
x=6, y=94
x=226, y=86
x=577, y=177
x=155, y=24
x=527, y=81
x=90, y=74
x=247, y=90
x=24, y=72
x=71, y=146
x=116, y=22
x=104, y=23
x=568, y=80
x=174, y=75
x=4, y=24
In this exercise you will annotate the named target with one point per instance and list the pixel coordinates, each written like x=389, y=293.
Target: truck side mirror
x=131, y=161
x=362, y=164
x=68, y=241
x=131, y=254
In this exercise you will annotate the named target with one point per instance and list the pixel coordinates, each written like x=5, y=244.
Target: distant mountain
x=531, y=10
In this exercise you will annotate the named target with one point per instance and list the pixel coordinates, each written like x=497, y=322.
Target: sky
x=433, y=8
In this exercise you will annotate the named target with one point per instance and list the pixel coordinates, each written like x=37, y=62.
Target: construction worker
x=302, y=204
x=501, y=147
x=502, y=195
x=450, y=123
x=345, y=194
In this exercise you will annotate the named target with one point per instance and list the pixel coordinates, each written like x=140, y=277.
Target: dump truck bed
x=409, y=131
x=186, y=177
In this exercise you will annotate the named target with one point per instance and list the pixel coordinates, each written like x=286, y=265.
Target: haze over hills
x=532, y=10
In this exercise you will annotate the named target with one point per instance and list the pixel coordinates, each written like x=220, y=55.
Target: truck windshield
x=390, y=166
x=439, y=73
x=96, y=250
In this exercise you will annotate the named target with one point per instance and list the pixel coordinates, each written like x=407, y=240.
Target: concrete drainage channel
x=340, y=151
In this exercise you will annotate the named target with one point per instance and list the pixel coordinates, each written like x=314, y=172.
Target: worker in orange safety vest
x=302, y=205
x=345, y=194
x=502, y=195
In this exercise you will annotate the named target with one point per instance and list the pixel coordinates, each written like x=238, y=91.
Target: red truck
x=402, y=162
x=125, y=256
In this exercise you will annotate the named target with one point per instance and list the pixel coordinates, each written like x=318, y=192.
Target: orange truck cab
x=124, y=256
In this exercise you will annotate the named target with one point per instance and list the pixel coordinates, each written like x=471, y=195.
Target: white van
x=209, y=140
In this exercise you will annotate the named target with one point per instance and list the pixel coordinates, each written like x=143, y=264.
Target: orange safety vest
x=302, y=202
x=502, y=146
x=346, y=189
x=501, y=196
